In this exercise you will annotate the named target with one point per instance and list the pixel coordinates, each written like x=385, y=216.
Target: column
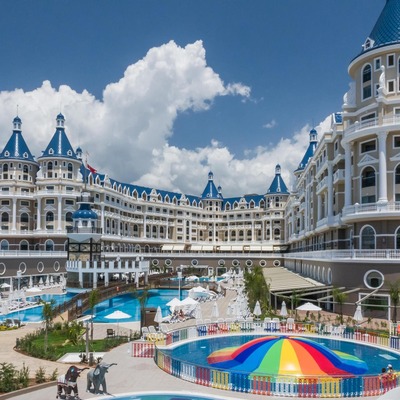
x=102, y=217
x=14, y=215
x=167, y=230
x=39, y=212
x=319, y=207
x=347, y=175
x=330, y=190
x=144, y=226
x=59, y=213
x=382, y=167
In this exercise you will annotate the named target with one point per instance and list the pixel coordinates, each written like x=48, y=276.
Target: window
x=5, y=217
x=4, y=245
x=396, y=141
x=366, y=80
x=49, y=245
x=390, y=60
x=49, y=217
x=377, y=64
x=68, y=217
x=368, y=238
x=24, y=218
x=397, y=175
x=368, y=146
x=70, y=170
x=368, y=177
x=373, y=279
x=390, y=86
x=24, y=245
x=49, y=201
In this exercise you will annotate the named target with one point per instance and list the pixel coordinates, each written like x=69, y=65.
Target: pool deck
x=130, y=374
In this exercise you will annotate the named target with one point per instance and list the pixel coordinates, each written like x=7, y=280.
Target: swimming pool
x=126, y=303
x=199, y=350
x=34, y=314
x=166, y=395
x=130, y=305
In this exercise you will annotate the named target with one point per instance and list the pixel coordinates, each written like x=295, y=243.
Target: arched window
x=5, y=217
x=49, y=245
x=50, y=216
x=70, y=170
x=24, y=218
x=23, y=245
x=398, y=238
x=367, y=238
x=4, y=245
x=367, y=82
x=49, y=169
x=277, y=234
x=368, y=177
x=397, y=175
x=68, y=217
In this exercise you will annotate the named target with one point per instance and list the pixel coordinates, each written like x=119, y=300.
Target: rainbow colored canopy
x=287, y=355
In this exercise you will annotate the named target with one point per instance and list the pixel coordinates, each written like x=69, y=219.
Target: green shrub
x=40, y=375
x=23, y=376
x=54, y=375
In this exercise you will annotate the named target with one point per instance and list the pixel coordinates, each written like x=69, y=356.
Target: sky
x=159, y=93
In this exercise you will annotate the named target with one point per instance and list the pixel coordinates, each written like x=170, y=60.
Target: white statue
x=382, y=81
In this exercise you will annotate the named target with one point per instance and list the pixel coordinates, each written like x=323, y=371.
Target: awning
x=237, y=248
x=225, y=248
x=208, y=248
x=267, y=248
x=179, y=247
x=195, y=247
x=255, y=248
x=167, y=247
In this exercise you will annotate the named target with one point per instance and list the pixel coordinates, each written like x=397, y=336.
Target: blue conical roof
x=387, y=28
x=16, y=147
x=210, y=191
x=59, y=145
x=278, y=186
x=310, y=150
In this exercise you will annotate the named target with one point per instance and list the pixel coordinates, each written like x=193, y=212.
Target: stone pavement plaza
x=130, y=374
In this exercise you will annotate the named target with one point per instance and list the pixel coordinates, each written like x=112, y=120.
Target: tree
x=339, y=297
x=295, y=298
x=48, y=313
x=142, y=297
x=256, y=288
x=394, y=292
x=93, y=300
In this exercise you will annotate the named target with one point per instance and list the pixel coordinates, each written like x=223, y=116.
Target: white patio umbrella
x=158, y=317
x=308, y=307
x=257, y=309
x=173, y=303
x=283, y=312
x=5, y=285
x=358, y=314
x=33, y=290
x=215, y=311
x=117, y=315
x=198, y=314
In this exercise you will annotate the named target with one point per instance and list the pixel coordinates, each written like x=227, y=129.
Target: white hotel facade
x=339, y=226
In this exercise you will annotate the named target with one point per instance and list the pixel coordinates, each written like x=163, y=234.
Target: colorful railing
x=289, y=386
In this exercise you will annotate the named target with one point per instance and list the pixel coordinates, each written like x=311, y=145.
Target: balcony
x=338, y=176
x=344, y=255
x=370, y=125
x=322, y=185
x=371, y=210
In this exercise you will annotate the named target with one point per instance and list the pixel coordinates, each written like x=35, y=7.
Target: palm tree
x=93, y=300
x=339, y=297
x=48, y=313
x=142, y=298
x=394, y=292
x=295, y=301
x=256, y=288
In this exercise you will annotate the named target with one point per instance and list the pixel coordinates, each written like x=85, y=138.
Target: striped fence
x=289, y=386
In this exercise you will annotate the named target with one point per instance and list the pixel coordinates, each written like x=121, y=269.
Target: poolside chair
x=290, y=327
x=110, y=333
x=145, y=333
x=267, y=324
x=155, y=336
x=275, y=325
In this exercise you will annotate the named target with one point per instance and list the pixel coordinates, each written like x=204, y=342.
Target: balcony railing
x=346, y=254
x=338, y=175
x=83, y=229
x=371, y=208
x=371, y=123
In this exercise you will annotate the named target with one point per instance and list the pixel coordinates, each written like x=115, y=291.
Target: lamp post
x=179, y=284
x=19, y=273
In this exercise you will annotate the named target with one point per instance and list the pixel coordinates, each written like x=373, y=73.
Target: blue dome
x=17, y=120
x=84, y=212
x=60, y=116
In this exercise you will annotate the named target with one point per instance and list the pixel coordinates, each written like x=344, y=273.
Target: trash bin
x=147, y=316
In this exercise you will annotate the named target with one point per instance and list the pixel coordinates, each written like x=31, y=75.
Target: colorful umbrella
x=286, y=355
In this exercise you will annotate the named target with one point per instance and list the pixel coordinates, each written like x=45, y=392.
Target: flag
x=91, y=169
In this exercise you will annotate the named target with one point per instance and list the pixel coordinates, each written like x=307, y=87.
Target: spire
x=278, y=185
x=59, y=145
x=310, y=150
x=210, y=191
x=386, y=30
x=16, y=147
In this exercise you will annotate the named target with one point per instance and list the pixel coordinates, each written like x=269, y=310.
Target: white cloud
x=127, y=132
x=270, y=124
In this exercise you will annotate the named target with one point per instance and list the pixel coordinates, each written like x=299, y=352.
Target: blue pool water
x=376, y=358
x=130, y=305
x=171, y=396
x=126, y=303
x=35, y=314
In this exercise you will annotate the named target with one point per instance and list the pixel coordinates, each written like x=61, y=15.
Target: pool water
x=170, y=396
x=126, y=303
x=35, y=314
x=130, y=305
x=376, y=358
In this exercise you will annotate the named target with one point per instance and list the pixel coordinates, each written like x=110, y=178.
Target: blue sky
x=231, y=86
